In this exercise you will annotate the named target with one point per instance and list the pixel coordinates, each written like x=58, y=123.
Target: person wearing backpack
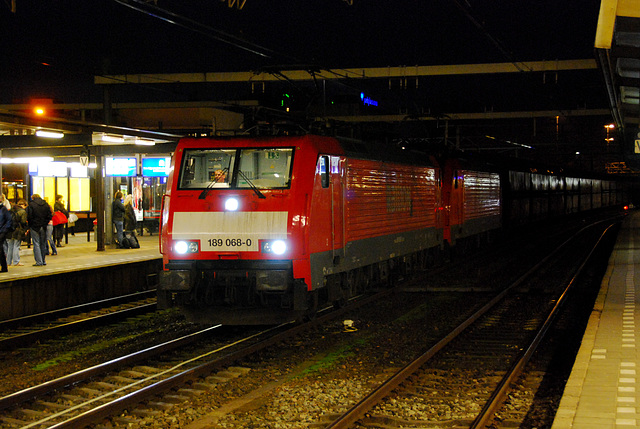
x=6, y=227
x=14, y=239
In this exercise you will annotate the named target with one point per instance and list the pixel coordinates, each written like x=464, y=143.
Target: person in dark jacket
x=14, y=239
x=117, y=216
x=5, y=224
x=58, y=230
x=38, y=217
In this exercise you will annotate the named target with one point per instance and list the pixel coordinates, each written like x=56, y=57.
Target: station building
x=88, y=163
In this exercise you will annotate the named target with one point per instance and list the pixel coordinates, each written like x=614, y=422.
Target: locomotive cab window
x=323, y=170
x=236, y=168
x=207, y=168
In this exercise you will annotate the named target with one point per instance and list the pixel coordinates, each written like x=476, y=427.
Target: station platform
x=78, y=274
x=603, y=390
x=80, y=254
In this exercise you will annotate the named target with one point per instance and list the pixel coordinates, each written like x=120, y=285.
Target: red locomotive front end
x=264, y=230
x=235, y=226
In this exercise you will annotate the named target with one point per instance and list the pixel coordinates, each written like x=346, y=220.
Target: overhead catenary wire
x=494, y=41
x=184, y=22
x=190, y=24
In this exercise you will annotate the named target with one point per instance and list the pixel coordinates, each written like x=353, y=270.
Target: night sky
x=53, y=48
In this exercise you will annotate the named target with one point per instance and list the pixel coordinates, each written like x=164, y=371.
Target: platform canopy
x=617, y=46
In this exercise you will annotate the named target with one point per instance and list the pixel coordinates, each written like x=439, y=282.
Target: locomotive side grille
x=481, y=194
x=383, y=198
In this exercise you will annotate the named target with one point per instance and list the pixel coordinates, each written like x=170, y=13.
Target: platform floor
x=603, y=390
x=80, y=254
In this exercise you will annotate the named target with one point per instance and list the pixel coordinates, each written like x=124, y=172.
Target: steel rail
x=65, y=312
x=65, y=328
x=41, y=389
x=107, y=409
x=357, y=411
x=119, y=404
x=500, y=393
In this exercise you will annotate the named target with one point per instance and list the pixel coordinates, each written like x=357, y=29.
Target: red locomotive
x=257, y=229
x=473, y=208
x=261, y=230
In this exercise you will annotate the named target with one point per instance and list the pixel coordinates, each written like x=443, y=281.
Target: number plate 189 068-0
x=230, y=243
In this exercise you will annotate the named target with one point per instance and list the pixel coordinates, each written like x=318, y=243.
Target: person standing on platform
x=15, y=238
x=50, y=242
x=130, y=221
x=117, y=216
x=5, y=224
x=38, y=217
x=58, y=230
x=5, y=202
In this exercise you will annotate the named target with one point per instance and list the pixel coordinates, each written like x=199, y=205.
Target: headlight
x=277, y=247
x=183, y=247
x=231, y=204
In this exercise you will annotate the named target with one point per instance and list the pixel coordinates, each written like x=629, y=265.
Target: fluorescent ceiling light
x=112, y=139
x=38, y=160
x=145, y=142
x=49, y=134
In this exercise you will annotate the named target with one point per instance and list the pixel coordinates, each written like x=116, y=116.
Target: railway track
x=31, y=329
x=147, y=385
x=91, y=395
x=65, y=402
x=475, y=364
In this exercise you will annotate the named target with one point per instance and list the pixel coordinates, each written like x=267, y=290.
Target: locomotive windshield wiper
x=211, y=184
x=253, y=187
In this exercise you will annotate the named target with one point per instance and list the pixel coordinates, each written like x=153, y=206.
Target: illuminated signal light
x=41, y=106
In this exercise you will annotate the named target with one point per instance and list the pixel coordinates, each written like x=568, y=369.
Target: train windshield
x=264, y=168
x=236, y=168
x=207, y=168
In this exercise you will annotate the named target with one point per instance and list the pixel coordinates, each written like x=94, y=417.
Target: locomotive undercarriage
x=269, y=288
x=231, y=296
x=342, y=286
x=273, y=296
